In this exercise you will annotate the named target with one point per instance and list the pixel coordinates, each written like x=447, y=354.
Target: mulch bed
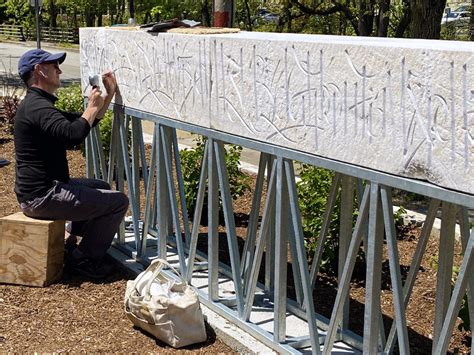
x=75, y=314
x=78, y=315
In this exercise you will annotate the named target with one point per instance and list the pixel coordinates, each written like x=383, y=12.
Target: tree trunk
x=74, y=19
x=383, y=18
x=121, y=10
x=366, y=17
x=426, y=18
x=90, y=17
x=205, y=13
x=131, y=8
x=285, y=18
x=248, y=17
x=404, y=21
x=53, y=14
x=147, y=17
x=471, y=22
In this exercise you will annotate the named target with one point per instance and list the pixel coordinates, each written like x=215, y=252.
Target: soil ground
x=75, y=314
x=78, y=315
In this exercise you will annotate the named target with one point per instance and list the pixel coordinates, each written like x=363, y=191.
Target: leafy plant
x=398, y=216
x=10, y=106
x=313, y=190
x=70, y=99
x=191, y=160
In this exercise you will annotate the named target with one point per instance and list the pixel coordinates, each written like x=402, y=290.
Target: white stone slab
x=405, y=107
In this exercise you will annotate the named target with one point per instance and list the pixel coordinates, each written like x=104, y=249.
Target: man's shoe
x=68, y=250
x=88, y=267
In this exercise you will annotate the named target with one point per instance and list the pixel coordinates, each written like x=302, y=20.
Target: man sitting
x=43, y=186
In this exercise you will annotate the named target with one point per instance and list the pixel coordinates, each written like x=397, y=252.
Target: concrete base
x=230, y=333
x=237, y=339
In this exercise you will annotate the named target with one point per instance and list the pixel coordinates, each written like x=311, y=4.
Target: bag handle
x=152, y=267
x=158, y=265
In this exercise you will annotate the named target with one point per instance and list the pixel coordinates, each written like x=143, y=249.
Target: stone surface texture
x=405, y=107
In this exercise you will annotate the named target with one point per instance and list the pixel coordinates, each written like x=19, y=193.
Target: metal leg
x=134, y=205
x=261, y=243
x=142, y=154
x=445, y=267
x=395, y=274
x=324, y=228
x=347, y=271
x=414, y=267
x=281, y=254
x=270, y=249
x=163, y=207
x=197, y=213
x=345, y=233
x=465, y=274
x=150, y=196
x=294, y=262
x=249, y=247
x=301, y=260
x=374, y=271
x=465, y=225
x=230, y=224
x=136, y=158
x=179, y=177
x=95, y=153
x=113, y=147
x=165, y=140
x=213, y=217
x=119, y=168
x=89, y=159
x=100, y=147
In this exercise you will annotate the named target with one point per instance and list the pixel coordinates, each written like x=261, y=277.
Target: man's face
x=49, y=73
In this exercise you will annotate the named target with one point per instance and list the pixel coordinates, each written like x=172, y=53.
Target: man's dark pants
x=94, y=210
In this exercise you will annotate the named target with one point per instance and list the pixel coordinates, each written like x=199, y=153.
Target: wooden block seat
x=31, y=250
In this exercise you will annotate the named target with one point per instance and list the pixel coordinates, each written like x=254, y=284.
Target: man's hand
x=94, y=106
x=110, y=82
x=95, y=99
x=110, y=85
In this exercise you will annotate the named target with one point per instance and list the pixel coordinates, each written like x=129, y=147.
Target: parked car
x=265, y=16
x=458, y=18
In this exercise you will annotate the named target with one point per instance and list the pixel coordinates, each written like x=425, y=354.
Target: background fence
x=49, y=34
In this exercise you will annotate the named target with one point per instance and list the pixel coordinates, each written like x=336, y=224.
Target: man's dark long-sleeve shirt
x=42, y=134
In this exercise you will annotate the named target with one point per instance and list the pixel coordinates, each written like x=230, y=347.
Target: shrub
x=10, y=106
x=70, y=99
x=191, y=166
x=313, y=190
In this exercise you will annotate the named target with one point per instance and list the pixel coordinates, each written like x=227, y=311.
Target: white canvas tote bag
x=165, y=308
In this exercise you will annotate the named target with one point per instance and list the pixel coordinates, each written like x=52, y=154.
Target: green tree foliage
x=70, y=99
x=19, y=13
x=405, y=18
x=382, y=18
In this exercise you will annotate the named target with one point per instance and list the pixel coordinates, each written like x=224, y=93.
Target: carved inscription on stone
x=399, y=106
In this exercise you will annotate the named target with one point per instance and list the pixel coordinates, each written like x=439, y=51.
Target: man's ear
x=38, y=68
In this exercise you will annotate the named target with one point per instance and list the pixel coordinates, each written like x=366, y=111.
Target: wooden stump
x=31, y=250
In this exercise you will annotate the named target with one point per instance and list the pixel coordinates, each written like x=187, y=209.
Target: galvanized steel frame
x=165, y=217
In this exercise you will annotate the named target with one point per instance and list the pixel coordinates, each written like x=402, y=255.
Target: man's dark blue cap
x=29, y=59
